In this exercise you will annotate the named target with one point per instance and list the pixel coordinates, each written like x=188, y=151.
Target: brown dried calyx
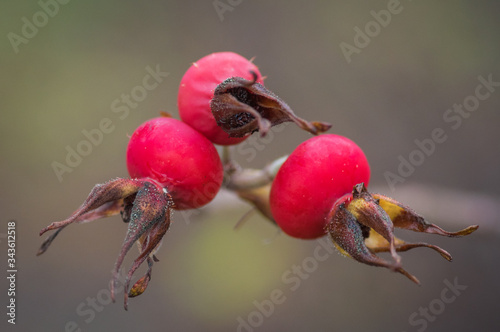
x=362, y=224
x=144, y=205
x=242, y=107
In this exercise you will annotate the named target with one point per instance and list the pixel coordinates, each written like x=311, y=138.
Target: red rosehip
x=319, y=171
x=197, y=90
x=179, y=158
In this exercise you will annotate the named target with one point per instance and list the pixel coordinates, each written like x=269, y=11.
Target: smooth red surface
x=177, y=156
x=197, y=90
x=319, y=171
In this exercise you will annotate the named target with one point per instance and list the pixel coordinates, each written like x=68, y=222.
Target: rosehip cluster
x=173, y=165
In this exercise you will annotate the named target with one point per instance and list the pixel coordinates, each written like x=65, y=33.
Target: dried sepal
x=144, y=204
x=148, y=244
x=362, y=224
x=404, y=217
x=368, y=212
x=376, y=243
x=48, y=241
x=241, y=107
x=106, y=210
x=101, y=194
x=347, y=233
x=150, y=216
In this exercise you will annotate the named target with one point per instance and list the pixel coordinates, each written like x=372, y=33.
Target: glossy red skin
x=319, y=171
x=185, y=162
x=197, y=89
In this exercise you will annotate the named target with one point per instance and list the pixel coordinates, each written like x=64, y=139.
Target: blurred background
x=384, y=90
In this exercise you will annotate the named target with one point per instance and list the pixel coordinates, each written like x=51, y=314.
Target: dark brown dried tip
x=242, y=107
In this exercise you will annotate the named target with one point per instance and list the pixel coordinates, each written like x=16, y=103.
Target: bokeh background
x=64, y=79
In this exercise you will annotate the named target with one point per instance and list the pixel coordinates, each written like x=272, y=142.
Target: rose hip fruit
x=319, y=171
x=197, y=90
x=322, y=189
x=179, y=158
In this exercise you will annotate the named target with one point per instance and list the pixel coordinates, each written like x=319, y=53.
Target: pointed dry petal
x=150, y=242
x=377, y=243
x=100, y=194
x=242, y=107
x=367, y=212
x=150, y=207
x=106, y=210
x=346, y=232
x=48, y=241
x=404, y=217
x=407, y=246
